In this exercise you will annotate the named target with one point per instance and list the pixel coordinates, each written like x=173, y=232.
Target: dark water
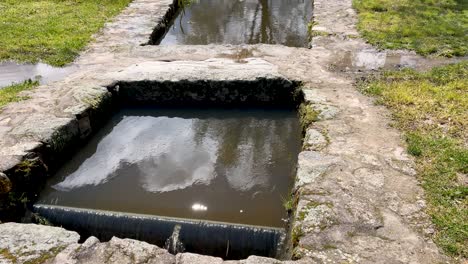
x=242, y=22
x=223, y=165
x=229, y=241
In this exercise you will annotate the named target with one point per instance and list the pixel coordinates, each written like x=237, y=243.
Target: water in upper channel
x=242, y=22
x=233, y=165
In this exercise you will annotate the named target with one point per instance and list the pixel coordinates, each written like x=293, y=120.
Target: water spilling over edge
x=229, y=241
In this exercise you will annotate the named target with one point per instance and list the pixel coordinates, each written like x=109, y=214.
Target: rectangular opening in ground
x=234, y=166
x=238, y=22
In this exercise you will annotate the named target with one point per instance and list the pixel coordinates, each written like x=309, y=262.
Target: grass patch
x=296, y=235
x=432, y=110
x=290, y=202
x=9, y=94
x=438, y=27
x=53, y=31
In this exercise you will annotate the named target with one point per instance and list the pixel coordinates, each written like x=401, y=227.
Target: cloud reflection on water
x=176, y=153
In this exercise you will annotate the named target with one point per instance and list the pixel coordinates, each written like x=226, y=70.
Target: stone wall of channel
x=25, y=174
x=21, y=183
x=276, y=92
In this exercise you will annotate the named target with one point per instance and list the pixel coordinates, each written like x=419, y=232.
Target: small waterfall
x=173, y=244
x=225, y=240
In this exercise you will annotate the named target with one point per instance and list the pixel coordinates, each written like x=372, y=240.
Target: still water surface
x=224, y=165
x=242, y=22
x=12, y=72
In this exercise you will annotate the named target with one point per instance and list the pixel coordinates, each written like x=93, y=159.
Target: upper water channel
x=232, y=165
x=204, y=22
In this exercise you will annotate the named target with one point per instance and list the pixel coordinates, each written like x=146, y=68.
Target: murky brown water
x=242, y=22
x=223, y=165
x=12, y=72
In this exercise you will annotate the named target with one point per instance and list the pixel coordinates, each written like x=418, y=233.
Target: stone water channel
x=215, y=164
x=241, y=22
x=216, y=178
x=354, y=197
x=231, y=166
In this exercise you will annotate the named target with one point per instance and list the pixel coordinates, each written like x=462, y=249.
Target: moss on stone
x=314, y=192
x=5, y=253
x=296, y=235
x=302, y=215
x=16, y=198
x=329, y=247
x=40, y=220
x=313, y=204
x=95, y=101
x=5, y=184
x=25, y=167
x=307, y=116
x=45, y=256
x=59, y=141
x=27, y=178
x=297, y=254
x=310, y=26
x=290, y=203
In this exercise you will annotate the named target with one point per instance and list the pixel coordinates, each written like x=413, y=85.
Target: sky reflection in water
x=238, y=164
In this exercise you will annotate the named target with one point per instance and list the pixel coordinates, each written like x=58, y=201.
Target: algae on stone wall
x=307, y=116
x=5, y=184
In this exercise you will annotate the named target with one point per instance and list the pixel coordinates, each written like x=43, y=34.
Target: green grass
x=53, y=31
x=432, y=110
x=9, y=94
x=430, y=27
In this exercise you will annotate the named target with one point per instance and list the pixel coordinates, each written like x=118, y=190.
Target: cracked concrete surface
x=359, y=199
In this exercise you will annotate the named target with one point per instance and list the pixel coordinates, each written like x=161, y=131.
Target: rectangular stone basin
x=228, y=165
